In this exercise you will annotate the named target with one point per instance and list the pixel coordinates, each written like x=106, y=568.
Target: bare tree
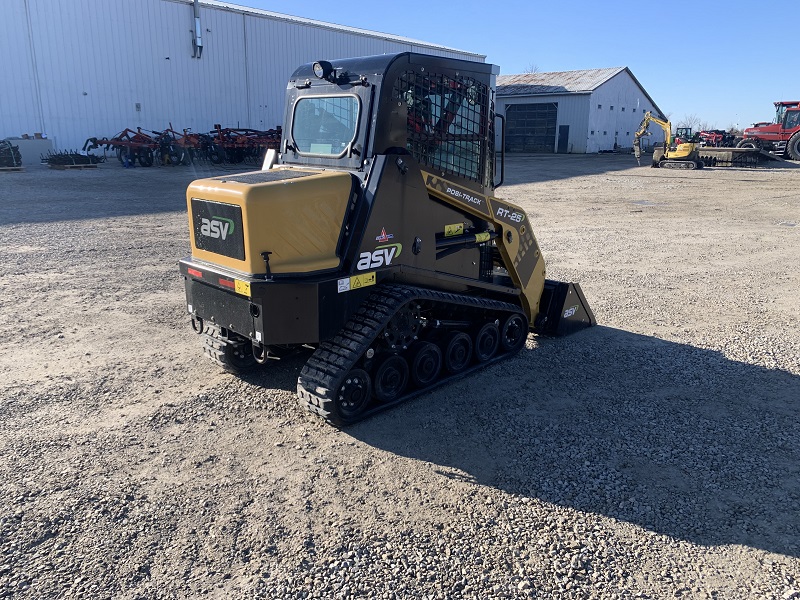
x=732, y=128
x=689, y=121
x=531, y=69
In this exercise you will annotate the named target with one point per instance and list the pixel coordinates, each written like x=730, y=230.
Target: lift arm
x=515, y=240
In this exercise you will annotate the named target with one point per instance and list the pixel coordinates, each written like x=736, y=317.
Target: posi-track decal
x=473, y=200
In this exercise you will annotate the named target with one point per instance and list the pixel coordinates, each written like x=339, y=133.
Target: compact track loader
x=373, y=237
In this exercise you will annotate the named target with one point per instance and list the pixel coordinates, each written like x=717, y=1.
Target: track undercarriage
x=402, y=342
x=680, y=164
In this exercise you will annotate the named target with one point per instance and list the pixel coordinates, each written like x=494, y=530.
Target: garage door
x=531, y=127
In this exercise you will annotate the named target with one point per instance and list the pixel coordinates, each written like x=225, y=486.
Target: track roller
x=404, y=341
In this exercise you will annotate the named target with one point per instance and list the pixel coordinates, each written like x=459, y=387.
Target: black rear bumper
x=269, y=312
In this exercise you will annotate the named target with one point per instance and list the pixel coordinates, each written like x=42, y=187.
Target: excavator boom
x=673, y=156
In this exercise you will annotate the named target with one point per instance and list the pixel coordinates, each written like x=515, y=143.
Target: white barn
x=84, y=68
x=587, y=111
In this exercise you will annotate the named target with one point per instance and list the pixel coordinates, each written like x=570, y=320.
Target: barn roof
x=583, y=81
x=221, y=4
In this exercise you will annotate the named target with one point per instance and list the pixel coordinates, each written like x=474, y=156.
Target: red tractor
x=782, y=136
x=719, y=138
x=708, y=137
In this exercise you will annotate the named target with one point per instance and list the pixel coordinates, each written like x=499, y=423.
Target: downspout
x=246, y=70
x=36, y=85
x=197, y=39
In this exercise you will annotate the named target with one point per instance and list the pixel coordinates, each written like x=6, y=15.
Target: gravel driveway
x=656, y=455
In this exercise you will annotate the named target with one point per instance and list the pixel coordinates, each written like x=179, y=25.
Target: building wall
x=85, y=68
x=573, y=110
x=616, y=109
x=600, y=121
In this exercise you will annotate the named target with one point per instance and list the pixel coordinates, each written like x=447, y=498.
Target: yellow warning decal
x=363, y=280
x=483, y=237
x=455, y=229
x=242, y=287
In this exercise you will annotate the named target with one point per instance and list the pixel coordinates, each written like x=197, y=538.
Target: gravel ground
x=654, y=456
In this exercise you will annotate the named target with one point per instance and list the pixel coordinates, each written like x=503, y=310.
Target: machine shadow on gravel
x=676, y=439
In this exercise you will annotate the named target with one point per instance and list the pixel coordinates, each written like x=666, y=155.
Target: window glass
x=792, y=119
x=325, y=125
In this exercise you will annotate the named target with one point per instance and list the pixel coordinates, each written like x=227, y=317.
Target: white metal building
x=594, y=110
x=84, y=68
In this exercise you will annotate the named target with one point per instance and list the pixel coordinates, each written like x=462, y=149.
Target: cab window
x=325, y=125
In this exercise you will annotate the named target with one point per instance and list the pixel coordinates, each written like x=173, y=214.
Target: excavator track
x=681, y=164
x=402, y=342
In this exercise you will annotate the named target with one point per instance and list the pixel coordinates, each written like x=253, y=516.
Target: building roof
x=334, y=27
x=583, y=81
x=557, y=82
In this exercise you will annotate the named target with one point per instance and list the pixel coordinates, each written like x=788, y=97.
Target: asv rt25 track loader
x=374, y=238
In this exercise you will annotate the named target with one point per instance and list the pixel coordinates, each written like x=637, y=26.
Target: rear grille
x=218, y=228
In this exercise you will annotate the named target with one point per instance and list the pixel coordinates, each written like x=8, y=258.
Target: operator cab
x=792, y=119
x=341, y=114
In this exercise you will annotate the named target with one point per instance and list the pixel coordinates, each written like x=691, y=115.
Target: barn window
x=599, y=106
x=592, y=132
x=611, y=107
x=623, y=109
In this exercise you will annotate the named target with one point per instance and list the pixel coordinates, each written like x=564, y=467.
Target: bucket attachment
x=563, y=309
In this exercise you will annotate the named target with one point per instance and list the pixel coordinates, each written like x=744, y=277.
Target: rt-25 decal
x=510, y=215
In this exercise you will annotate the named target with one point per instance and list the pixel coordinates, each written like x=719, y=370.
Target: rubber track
x=327, y=368
x=215, y=347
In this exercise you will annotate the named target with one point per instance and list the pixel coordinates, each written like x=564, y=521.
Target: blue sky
x=724, y=62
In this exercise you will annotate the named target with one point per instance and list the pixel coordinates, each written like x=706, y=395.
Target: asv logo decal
x=216, y=227
x=570, y=311
x=382, y=255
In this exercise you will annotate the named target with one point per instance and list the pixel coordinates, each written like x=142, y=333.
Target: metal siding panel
x=620, y=91
x=115, y=51
x=20, y=105
x=270, y=69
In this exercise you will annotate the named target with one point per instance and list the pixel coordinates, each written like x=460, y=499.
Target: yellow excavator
x=672, y=155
